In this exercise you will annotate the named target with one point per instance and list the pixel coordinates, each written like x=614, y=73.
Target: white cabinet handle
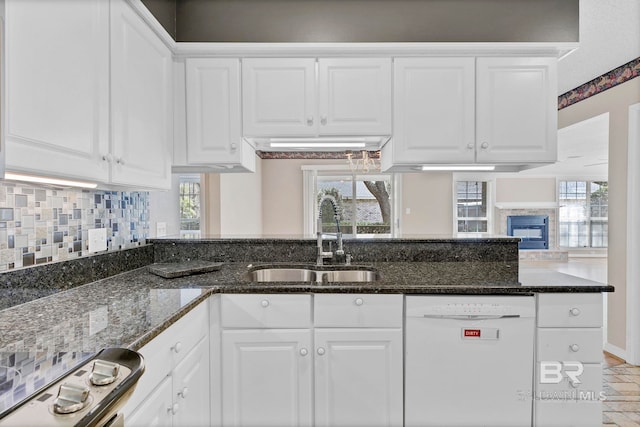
x=303, y=352
x=183, y=393
x=106, y=158
x=120, y=161
x=323, y=120
x=575, y=311
x=174, y=409
x=320, y=351
x=470, y=146
x=177, y=347
x=574, y=347
x=265, y=303
x=234, y=146
x=309, y=121
x=358, y=301
x=484, y=145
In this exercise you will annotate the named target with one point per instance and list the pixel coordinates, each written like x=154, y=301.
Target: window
x=190, y=205
x=365, y=203
x=472, y=206
x=584, y=211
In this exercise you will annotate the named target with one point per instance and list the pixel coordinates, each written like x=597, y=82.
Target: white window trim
x=310, y=209
x=577, y=250
x=490, y=180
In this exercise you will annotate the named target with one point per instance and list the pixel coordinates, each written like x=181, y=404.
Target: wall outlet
x=161, y=229
x=97, y=240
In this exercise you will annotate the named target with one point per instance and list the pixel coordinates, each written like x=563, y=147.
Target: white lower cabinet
x=354, y=358
x=267, y=377
x=358, y=377
x=174, y=389
x=568, y=381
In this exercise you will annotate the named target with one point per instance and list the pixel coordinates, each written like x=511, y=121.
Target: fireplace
x=532, y=229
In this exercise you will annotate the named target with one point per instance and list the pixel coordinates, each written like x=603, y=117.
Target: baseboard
x=616, y=351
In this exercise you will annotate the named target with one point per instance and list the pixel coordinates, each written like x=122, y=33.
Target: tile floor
x=622, y=387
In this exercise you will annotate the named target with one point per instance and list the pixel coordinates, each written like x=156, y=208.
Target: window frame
x=191, y=178
x=589, y=218
x=310, y=186
x=490, y=180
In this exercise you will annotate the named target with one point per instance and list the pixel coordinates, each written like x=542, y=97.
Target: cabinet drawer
x=584, y=345
x=266, y=311
x=568, y=414
x=160, y=354
x=358, y=310
x=562, y=310
x=588, y=389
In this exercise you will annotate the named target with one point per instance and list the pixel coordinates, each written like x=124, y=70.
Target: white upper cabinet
x=434, y=116
x=141, y=101
x=213, y=117
x=299, y=97
x=88, y=93
x=279, y=97
x=516, y=110
x=473, y=110
x=354, y=96
x=57, y=87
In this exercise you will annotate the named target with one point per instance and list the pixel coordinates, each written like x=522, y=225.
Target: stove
x=87, y=396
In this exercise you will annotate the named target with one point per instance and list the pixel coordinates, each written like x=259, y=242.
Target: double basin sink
x=315, y=274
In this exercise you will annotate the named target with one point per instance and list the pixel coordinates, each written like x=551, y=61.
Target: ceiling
x=609, y=37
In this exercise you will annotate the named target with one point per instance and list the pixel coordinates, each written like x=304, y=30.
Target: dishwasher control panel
x=495, y=306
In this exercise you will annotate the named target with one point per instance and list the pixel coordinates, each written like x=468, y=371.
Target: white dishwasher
x=469, y=361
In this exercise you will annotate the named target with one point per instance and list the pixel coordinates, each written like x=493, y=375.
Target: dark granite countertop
x=49, y=335
x=140, y=304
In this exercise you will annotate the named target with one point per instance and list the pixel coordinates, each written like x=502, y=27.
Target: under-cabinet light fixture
x=459, y=168
x=51, y=181
x=323, y=144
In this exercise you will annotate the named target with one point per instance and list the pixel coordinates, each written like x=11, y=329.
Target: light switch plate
x=97, y=240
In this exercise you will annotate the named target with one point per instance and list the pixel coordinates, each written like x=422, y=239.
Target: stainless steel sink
x=309, y=274
x=282, y=275
x=349, y=276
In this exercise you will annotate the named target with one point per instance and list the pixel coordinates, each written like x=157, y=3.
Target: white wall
x=241, y=203
x=427, y=203
x=164, y=206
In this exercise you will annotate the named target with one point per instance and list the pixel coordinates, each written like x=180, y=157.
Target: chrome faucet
x=321, y=254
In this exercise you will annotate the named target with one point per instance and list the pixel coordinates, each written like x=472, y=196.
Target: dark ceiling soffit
x=613, y=78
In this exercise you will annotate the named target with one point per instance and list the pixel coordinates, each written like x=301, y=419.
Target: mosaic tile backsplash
x=41, y=224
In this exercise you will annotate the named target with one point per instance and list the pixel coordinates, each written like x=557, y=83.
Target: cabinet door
x=214, y=134
x=517, y=110
x=266, y=377
x=434, y=119
x=191, y=388
x=355, y=96
x=57, y=62
x=141, y=102
x=279, y=97
x=358, y=377
x=156, y=410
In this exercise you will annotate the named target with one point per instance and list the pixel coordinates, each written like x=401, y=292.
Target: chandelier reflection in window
x=363, y=162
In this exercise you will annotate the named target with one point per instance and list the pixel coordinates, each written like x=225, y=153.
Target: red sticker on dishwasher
x=471, y=333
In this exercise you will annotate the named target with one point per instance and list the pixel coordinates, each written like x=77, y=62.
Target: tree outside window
x=190, y=205
x=364, y=202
